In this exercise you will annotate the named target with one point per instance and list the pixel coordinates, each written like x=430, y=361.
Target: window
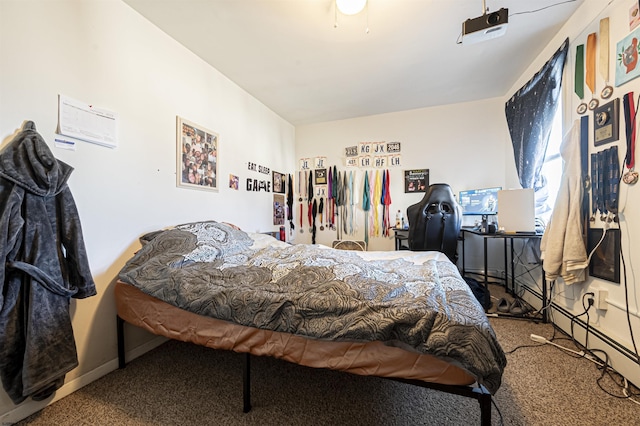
x=551, y=169
x=534, y=118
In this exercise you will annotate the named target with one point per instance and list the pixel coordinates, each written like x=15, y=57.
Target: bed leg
x=120, y=333
x=484, y=399
x=246, y=383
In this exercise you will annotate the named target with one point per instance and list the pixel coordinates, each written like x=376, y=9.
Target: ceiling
x=291, y=56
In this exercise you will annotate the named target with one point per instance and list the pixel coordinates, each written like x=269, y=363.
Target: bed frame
x=479, y=393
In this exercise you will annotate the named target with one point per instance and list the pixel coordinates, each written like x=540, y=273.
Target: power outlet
x=600, y=299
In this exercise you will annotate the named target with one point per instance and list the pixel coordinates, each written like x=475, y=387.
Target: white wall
x=462, y=145
x=612, y=322
x=104, y=53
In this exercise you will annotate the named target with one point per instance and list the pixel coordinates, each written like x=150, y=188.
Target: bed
x=406, y=316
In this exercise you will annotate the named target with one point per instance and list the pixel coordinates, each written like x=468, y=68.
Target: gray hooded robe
x=44, y=264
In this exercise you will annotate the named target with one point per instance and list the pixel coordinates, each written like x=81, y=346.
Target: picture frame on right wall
x=626, y=59
x=278, y=182
x=605, y=261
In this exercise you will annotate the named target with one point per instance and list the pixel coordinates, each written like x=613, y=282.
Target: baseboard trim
x=625, y=362
x=30, y=407
x=594, y=331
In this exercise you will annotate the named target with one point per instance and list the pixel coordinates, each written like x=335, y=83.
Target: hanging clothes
x=334, y=211
x=366, y=205
x=562, y=247
x=302, y=192
x=386, y=201
x=314, y=212
x=290, y=204
x=345, y=201
x=339, y=198
x=330, y=199
x=351, y=203
x=377, y=198
x=44, y=265
x=371, y=210
x=310, y=201
x=384, y=206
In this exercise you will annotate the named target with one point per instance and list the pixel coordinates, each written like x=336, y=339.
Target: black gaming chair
x=434, y=222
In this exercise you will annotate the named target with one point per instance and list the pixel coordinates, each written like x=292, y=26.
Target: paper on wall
x=86, y=122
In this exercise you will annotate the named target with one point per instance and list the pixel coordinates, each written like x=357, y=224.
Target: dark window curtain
x=530, y=113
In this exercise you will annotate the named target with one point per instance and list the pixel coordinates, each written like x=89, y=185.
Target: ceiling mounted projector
x=485, y=27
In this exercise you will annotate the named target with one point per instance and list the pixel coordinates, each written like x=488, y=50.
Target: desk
x=402, y=238
x=505, y=238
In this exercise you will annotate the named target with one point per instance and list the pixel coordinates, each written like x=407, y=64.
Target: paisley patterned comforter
x=416, y=301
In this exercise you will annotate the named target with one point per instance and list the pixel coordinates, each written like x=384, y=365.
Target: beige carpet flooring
x=183, y=384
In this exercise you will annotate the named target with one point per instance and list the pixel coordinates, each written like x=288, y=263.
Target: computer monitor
x=479, y=201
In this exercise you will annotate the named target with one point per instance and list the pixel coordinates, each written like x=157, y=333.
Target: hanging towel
x=334, y=203
x=355, y=201
x=345, y=201
x=386, y=200
x=330, y=199
x=562, y=246
x=310, y=195
x=372, y=191
x=383, y=195
x=339, y=197
x=314, y=212
x=351, y=203
x=366, y=204
x=377, y=198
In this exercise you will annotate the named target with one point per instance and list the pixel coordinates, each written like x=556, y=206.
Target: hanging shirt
x=562, y=246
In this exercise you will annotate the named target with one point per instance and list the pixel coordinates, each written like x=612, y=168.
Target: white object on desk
x=516, y=210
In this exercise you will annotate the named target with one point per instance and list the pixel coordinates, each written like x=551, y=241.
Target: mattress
x=310, y=304
x=364, y=358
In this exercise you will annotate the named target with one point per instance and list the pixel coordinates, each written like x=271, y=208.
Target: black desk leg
x=545, y=307
x=464, y=272
x=486, y=277
x=120, y=338
x=513, y=271
x=506, y=270
x=246, y=383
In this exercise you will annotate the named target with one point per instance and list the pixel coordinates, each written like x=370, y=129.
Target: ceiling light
x=350, y=7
